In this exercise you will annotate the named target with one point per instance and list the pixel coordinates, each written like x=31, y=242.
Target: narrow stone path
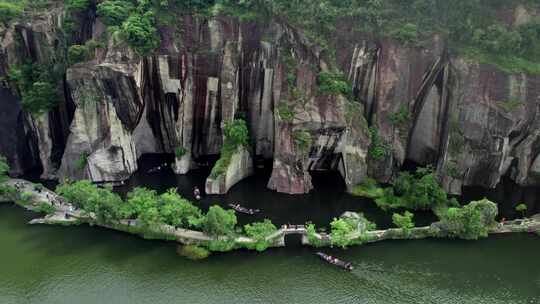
x=66, y=213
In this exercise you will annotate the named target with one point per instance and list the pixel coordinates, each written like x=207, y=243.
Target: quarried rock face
x=108, y=107
x=473, y=122
x=36, y=142
x=240, y=167
x=492, y=127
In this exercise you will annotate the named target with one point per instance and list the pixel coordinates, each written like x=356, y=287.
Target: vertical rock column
x=240, y=167
x=108, y=107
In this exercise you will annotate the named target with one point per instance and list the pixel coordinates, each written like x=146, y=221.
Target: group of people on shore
x=293, y=227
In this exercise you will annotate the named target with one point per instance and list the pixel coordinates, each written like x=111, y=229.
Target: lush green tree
x=140, y=33
x=333, y=84
x=496, y=38
x=40, y=98
x=404, y=221
x=77, y=5
x=37, y=85
x=407, y=33
x=521, y=208
x=341, y=230
x=236, y=133
x=419, y=191
x=76, y=53
x=311, y=234
x=103, y=202
x=79, y=53
x=177, y=211
x=260, y=231
x=114, y=12
x=219, y=222
x=107, y=211
x=150, y=217
x=9, y=11
x=138, y=200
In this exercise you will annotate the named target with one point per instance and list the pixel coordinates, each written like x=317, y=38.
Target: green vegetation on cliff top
x=473, y=28
x=235, y=135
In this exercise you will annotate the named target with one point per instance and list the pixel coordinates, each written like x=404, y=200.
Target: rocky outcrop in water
x=473, y=122
x=240, y=167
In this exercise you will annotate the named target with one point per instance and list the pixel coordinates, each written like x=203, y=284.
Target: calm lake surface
x=79, y=265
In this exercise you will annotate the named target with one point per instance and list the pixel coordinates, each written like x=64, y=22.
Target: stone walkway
x=66, y=213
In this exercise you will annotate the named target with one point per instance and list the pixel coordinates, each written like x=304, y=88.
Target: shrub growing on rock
x=179, y=152
x=342, y=229
x=418, y=191
x=404, y=221
x=45, y=208
x=82, y=161
x=333, y=84
x=103, y=202
x=470, y=222
x=114, y=12
x=313, y=240
x=140, y=33
x=37, y=86
x=77, y=5
x=193, y=252
x=236, y=134
x=521, y=208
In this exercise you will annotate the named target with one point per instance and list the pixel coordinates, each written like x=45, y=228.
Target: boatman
x=197, y=193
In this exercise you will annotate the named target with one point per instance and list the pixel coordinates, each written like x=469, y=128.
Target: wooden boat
x=335, y=261
x=158, y=168
x=244, y=210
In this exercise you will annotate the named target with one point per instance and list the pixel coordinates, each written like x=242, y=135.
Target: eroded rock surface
x=475, y=123
x=240, y=167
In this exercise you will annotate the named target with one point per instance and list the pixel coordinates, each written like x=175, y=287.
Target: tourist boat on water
x=335, y=261
x=158, y=168
x=240, y=209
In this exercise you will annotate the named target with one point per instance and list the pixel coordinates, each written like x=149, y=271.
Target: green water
x=79, y=265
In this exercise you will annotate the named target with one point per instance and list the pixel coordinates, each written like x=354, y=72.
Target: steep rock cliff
x=472, y=121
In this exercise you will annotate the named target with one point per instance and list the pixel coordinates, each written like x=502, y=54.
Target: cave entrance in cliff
x=149, y=161
x=411, y=166
x=325, y=174
x=206, y=162
x=263, y=165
